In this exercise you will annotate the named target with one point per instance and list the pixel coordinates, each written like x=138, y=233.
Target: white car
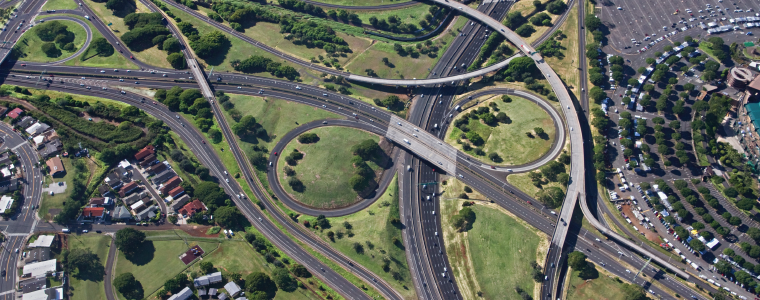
x=619, y=8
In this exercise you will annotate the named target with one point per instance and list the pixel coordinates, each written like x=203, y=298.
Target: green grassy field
x=494, y=256
x=410, y=14
x=510, y=140
x=399, y=66
x=56, y=201
x=373, y=224
x=326, y=167
x=59, y=4
x=362, y=2
x=157, y=262
x=82, y=288
x=151, y=55
x=567, y=67
x=522, y=182
x=87, y=59
x=239, y=49
x=240, y=257
x=601, y=288
x=277, y=116
x=30, y=44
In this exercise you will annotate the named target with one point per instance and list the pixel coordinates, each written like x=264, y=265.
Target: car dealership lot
x=643, y=21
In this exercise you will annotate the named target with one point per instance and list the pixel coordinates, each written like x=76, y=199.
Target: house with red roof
x=15, y=113
x=128, y=188
x=92, y=214
x=169, y=185
x=148, y=150
x=191, y=208
x=176, y=192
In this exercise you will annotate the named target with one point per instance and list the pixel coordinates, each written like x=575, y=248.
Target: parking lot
x=644, y=20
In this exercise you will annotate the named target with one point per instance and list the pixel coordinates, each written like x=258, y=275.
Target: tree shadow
x=143, y=255
x=589, y=272
x=137, y=292
x=94, y=272
x=219, y=56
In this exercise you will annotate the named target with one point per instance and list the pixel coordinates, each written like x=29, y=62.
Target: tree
x=308, y=138
x=171, y=45
x=260, y=282
x=300, y=271
x=128, y=286
x=577, y=260
x=597, y=94
x=128, y=240
x=50, y=50
x=634, y=292
x=206, y=267
x=210, y=44
x=697, y=245
x=525, y=30
x=539, y=131
x=177, y=60
x=227, y=216
x=101, y=46
x=283, y=280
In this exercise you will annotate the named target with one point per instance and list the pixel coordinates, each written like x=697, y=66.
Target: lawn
x=326, y=167
x=602, y=287
x=372, y=225
x=509, y=140
x=59, y=4
x=269, y=113
x=401, y=66
x=157, y=262
x=238, y=256
x=92, y=288
x=56, y=201
x=151, y=55
x=116, y=60
x=410, y=14
x=30, y=44
x=267, y=33
x=361, y=2
x=567, y=67
x=522, y=182
x=503, y=248
x=239, y=49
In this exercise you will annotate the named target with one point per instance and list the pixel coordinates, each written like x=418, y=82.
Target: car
x=102, y=71
x=3, y=273
x=619, y=8
x=85, y=231
x=131, y=57
x=16, y=250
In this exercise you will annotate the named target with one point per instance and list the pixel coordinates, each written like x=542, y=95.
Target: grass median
x=494, y=255
x=370, y=238
x=29, y=46
x=59, y=4
x=509, y=140
x=326, y=167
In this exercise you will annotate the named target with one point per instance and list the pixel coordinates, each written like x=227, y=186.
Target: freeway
x=365, y=8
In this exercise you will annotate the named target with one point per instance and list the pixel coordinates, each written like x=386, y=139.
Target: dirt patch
x=191, y=254
x=95, y=119
x=198, y=230
x=627, y=209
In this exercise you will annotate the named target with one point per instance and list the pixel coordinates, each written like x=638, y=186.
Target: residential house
x=144, y=152
x=39, y=141
x=5, y=159
x=137, y=206
x=93, y=214
x=37, y=254
x=15, y=113
x=25, y=122
x=182, y=295
x=125, y=164
x=211, y=292
x=179, y=203
x=232, y=288
x=113, y=180
x=121, y=213
x=147, y=214
x=44, y=241
x=201, y=292
x=51, y=148
x=56, y=166
x=104, y=189
x=192, y=208
x=169, y=185
x=176, y=192
x=50, y=135
x=222, y=296
x=131, y=199
x=163, y=177
x=128, y=188
x=3, y=110
x=6, y=202
x=46, y=294
x=157, y=168
x=39, y=269
x=100, y=201
x=123, y=174
x=148, y=161
x=208, y=279
x=37, y=128
x=9, y=185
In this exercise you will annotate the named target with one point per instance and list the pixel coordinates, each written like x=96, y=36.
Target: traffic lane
x=8, y=260
x=295, y=205
x=339, y=283
x=31, y=188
